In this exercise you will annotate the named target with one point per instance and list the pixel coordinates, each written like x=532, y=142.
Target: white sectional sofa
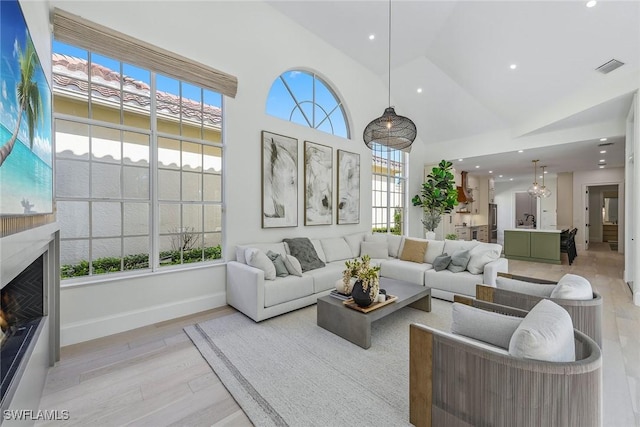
x=249, y=292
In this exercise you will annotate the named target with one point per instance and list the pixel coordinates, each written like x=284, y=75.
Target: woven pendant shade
x=390, y=130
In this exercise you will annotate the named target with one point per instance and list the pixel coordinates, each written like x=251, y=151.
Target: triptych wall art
x=280, y=183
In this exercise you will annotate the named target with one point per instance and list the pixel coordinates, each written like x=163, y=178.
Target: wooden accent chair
x=455, y=382
x=585, y=314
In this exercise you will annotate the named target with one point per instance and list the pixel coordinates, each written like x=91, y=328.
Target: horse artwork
x=348, y=187
x=318, y=184
x=279, y=181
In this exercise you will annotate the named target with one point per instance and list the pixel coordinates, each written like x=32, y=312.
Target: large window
x=304, y=98
x=388, y=187
x=138, y=166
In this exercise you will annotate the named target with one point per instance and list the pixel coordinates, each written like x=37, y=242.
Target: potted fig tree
x=438, y=196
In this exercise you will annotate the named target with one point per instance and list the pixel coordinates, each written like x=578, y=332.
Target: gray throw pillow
x=278, y=262
x=459, y=260
x=441, y=262
x=303, y=250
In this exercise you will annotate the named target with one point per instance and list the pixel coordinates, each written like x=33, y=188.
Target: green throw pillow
x=441, y=262
x=278, y=262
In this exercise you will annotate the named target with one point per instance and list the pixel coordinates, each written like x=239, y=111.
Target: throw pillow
x=434, y=248
x=572, y=286
x=375, y=250
x=336, y=248
x=481, y=255
x=304, y=251
x=487, y=326
x=459, y=260
x=520, y=286
x=293, y=265
x=278, y=263
x=256, y=258
x=413, y=250
x=546, y=333
x=354, y=240
x=441, y=262
x=394, y=242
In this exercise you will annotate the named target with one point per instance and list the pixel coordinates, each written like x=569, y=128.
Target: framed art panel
x=26, y=157
x=318, y=184
x=348, y=187
x=279, y=181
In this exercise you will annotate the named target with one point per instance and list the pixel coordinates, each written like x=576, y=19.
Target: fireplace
x=29, y=314
x=21, y=311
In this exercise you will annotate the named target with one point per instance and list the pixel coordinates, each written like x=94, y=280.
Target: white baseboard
x=73, y=333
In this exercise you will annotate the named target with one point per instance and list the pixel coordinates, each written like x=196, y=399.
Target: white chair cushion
x=546, y=333
x=487, y=326
x=377, y=250
x=481, y=255
x=572, y=286
x=335, y=249
x=258, y=259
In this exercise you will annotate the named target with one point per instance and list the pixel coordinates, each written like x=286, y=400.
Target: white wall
x=256, y=44
x=582, y=180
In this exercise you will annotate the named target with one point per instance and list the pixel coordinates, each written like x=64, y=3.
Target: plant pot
x=430, y=235
x=361, y=296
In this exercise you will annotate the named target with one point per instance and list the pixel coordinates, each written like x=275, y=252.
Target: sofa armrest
x=492, y=269
x=245, y=288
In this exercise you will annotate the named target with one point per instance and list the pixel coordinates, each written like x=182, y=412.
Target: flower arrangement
x=361, y=269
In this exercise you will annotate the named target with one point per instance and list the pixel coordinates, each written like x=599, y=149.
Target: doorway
x=602, y=217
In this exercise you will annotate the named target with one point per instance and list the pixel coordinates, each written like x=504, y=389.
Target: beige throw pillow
x=413, y=250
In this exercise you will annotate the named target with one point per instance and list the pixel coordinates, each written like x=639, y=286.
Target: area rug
x=288, y=371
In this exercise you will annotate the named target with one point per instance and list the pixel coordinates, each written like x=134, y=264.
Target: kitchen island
x=529, y=244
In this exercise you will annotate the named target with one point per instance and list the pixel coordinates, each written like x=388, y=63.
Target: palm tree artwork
x=29, y=98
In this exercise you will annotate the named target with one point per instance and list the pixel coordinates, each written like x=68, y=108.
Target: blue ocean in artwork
x=24, y=177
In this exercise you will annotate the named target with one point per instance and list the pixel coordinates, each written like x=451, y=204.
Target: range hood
x=464, y=196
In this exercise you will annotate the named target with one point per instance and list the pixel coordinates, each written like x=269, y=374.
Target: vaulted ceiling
x=460, y=52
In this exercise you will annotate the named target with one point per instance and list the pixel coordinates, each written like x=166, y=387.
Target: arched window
x=304, y=98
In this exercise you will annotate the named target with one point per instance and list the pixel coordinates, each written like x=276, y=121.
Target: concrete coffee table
x=355, y=326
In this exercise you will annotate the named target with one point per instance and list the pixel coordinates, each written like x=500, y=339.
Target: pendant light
x=534, y=190
x=390, y=130
x=544, y=191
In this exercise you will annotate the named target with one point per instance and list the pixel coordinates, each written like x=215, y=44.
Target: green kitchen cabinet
x=537, y=246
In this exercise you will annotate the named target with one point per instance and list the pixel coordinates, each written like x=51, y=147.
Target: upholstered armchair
x=458, y=381
x=586, y=314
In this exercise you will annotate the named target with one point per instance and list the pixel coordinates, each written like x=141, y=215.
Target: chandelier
x=390, y=130
x=536, y=190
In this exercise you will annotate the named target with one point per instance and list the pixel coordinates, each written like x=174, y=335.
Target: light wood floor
x=154, y=376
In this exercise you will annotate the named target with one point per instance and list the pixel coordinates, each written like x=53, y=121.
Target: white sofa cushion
x=487, y=326
x=572, y=286
x=463, y=283
x=404, y=270
x=285, y=289
x=258, y=259
x=481, y=255
x=514, y=285
x=336, y=249
x=278, y=248
x=434, y=248
x=376, y=237
x=394, y=241
x=375, y=250
x=318, y=247
x=293, y=265
x=450, y=246
x=325, y=278
x=546, y=333
x=354, y=240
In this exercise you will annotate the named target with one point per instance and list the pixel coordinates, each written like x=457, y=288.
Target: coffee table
x=355, y=326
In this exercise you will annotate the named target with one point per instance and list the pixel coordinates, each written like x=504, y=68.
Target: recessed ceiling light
x=499, y=176
x=540, y=176
x=601, y=160
x=520, y=151
x=372, y=36
x=591, y=3
x=477, y=166
x=459, y=160
x=510, y=179
x=603, y=139
x=602, y=167
x=419, y=90
x=603, y=151
x=490, y=171
x=513, y=66
x=546, y=171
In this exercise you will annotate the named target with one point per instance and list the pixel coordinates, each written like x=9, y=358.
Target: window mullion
x=154, y=211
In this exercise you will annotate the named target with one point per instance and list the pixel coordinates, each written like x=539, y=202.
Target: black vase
x=361, y=296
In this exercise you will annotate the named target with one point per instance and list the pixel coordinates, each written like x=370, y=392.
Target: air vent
x=608, y=67
x=604, y=144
